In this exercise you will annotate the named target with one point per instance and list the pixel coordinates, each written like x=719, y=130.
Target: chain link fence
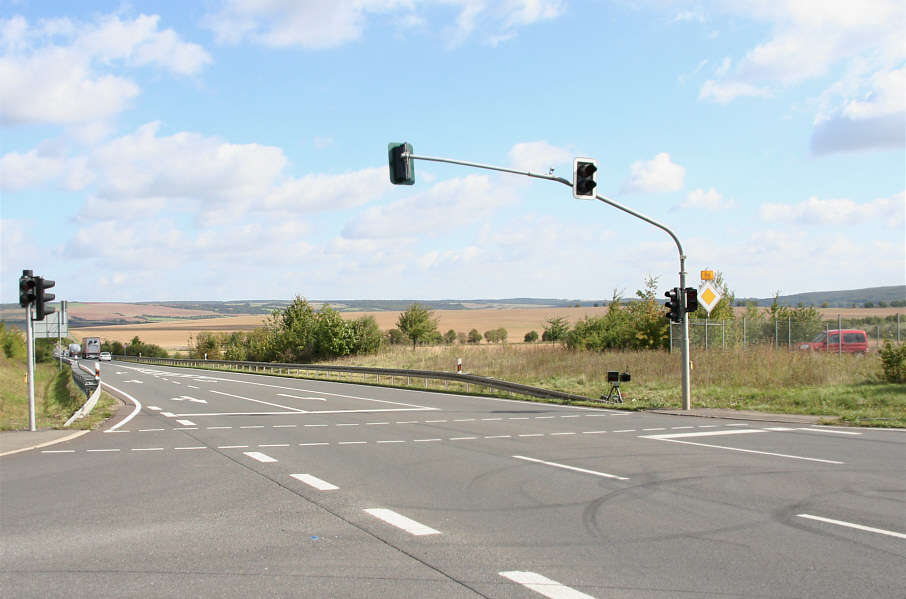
x=744, y=333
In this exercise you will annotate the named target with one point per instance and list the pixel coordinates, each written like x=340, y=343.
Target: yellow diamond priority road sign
x=708, y=296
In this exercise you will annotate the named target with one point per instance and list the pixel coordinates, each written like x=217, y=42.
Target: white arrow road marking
x=187, y=398
x=133, y=381
x=544, y=586
x=407, y=524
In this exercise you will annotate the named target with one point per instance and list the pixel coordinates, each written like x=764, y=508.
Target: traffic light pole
x=30, y=368
x=686, y=378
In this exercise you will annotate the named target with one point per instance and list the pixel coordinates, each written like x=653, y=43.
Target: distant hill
x=842, y=299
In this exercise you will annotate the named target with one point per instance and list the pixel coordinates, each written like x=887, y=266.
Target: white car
x=105, y=356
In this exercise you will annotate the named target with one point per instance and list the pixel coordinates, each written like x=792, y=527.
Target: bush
x=893, y=362
x=13, y=342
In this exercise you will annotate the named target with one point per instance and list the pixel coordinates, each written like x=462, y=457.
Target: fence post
x=745, y=345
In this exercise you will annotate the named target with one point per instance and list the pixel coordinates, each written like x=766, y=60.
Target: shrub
x=893, y=362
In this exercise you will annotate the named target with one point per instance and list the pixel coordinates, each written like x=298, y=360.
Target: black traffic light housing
x=42, y=298
x=673, y=305
x=584, y=178
x=402, y=169
x=26, y=288
x=691, y=299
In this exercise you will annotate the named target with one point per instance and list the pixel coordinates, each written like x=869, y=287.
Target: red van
x=855, y=341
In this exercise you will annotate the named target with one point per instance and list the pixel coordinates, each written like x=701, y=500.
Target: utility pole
x=402, y=172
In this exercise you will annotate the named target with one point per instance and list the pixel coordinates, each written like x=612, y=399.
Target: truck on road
x=74, y=350
x=91, y=348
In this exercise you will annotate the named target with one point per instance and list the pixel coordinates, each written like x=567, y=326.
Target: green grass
x=56, y=398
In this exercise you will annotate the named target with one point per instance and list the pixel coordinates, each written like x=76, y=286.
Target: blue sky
x=237, y=149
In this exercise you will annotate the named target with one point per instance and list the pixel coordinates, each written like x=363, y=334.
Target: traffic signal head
x=673, y=305
x=402, y=169
x=26, y=288
x=691, y=299
x=42, y=298
x=584, y=178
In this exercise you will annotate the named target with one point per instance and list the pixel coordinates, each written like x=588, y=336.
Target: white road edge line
x=574, y=468
x=545, y=586
x=138, y=406
x=402, y=522
x=880, y=531
x=315, y=482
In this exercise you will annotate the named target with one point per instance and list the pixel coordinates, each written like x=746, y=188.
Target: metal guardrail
x=299, y=370
x=86, y=382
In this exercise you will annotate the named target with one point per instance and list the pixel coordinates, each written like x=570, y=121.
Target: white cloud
x=75, y=82
x=445, y=206
x=816, y=40
x=538, y=156
x=316, y=25
x=891, y=212
x=34, y=168
x=726, y=92
x=655, y=176
x=711, y=200
x=218, y=177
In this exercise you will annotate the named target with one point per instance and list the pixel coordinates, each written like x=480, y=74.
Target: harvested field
x=174, y=335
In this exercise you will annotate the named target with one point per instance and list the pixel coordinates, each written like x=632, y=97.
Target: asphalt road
x=228, y=485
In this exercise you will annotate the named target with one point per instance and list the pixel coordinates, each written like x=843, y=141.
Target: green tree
x=292, y=331
x=396, y=337
x=531, y=337
x=368, y=336
x=450, y=337
x=555, y=329
x=418, y=323
x=474, y=337
x=333, y=335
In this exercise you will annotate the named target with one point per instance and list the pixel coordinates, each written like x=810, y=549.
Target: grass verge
x=844, y=389
x=56, y=398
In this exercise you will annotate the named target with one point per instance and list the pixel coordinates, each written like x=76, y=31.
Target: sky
x=237, y=149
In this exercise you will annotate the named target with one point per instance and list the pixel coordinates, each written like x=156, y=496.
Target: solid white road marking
x=880, y=531
x=315, y=482
x=574, y=468
x=400, y=521
x=138, y=406
x=677, y=438
x=257, y=455
x=267, y=403
x=297, y=397
x=702, y=434
x=186, y=422
x=545, y=586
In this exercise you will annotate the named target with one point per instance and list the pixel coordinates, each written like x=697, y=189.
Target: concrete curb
x=29, y=440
